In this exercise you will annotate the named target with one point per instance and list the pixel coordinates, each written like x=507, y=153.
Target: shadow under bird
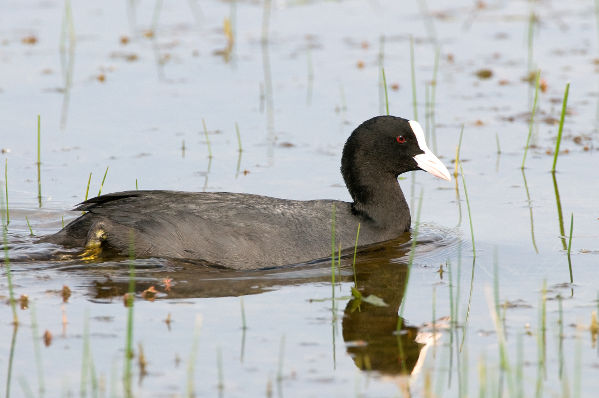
x=244, y=231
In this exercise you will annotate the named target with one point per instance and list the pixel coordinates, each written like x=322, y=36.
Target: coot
x=244, y=231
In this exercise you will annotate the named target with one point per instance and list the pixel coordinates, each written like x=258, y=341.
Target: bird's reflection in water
x=369, y=331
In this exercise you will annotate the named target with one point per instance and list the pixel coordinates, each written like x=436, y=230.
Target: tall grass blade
x=386, y=94
x=561, y=127
x=413, y=70
x=11, y=295
x=570, y=247
x=469, y=212
x=529, y=202
x=207, y=139
x=6, y=190
x=560, y=215
x=103, y=179
x=355, y=252
x=11, y=356
x=39, y=163
x=29, y=226
x=457, y=153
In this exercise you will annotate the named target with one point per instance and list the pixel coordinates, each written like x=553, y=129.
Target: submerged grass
x=541, y=342
x=410, y=262
x=37, y=351
x=561, y=127
x=192, y=357
x=129, y=301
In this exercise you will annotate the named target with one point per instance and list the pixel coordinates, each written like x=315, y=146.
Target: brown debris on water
x=484, y=74
x=128, y=299
x=24, y=301
x=124, y=40
x=65, y=293
x=286, y=144
x=360, y=64
x=30, y=40
x=47, y=338
x=149, y=294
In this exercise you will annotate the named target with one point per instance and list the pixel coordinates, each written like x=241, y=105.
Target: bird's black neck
x=379, y=199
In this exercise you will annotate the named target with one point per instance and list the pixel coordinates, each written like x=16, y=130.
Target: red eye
x=400, y=139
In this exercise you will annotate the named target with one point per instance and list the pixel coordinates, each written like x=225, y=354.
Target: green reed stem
x=243, y=320
x=238, y=137
x=89, y=180
x=6, y=189
x=497, y=144
x=207, y=139
x=355, y=252
x=561, y=127
x=11, y=356
x=433, y=98
x=85, y=358
x=532, y=117
x=541, y=342
x=11, y=295
x=130, y=299
x=457, y=154
x=219, y=363
x=36, y=349
x=39, y=162
x=469, y=212
x=560, y=215
x=192, y=356
x=281, y=359
x=103, y=179
x=570, y=247
x=29, y=225
x=333, y=253
x=386, y=94
x=413, y=70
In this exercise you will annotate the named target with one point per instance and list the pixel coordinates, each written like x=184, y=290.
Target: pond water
x=483, y=303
